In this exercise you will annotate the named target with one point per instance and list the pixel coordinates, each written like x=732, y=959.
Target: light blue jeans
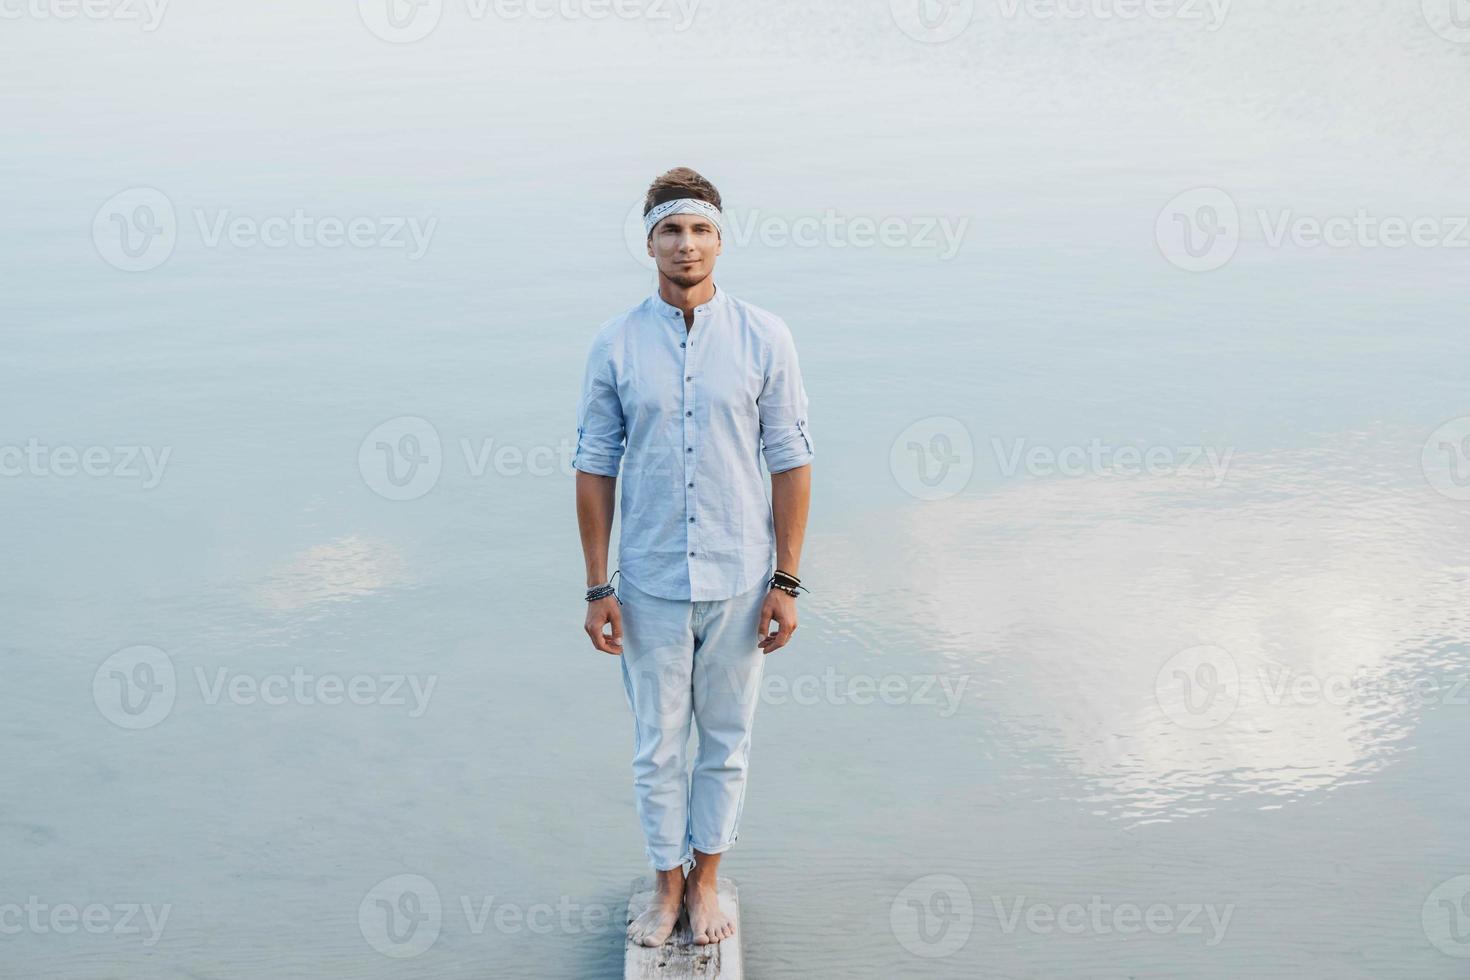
x=689, y=661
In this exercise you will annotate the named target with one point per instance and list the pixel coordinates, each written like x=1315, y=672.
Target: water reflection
x=1178, y=647
x=349, y=567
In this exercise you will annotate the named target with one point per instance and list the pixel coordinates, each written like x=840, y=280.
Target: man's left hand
x=780, y=606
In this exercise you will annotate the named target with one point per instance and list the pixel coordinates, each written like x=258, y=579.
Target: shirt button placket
x=689, y=441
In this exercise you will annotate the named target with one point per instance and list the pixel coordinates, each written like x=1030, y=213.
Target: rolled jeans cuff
x=717, y=848
x=662, y=857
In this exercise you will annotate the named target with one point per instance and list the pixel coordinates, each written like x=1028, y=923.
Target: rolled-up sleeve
x=600, y=430
x=786, y=439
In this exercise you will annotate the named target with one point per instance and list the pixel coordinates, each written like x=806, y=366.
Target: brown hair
x=677, y=183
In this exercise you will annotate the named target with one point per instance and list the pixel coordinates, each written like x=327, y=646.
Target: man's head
x=686, y=242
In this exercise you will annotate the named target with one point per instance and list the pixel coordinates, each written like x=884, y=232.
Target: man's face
x=685, y=247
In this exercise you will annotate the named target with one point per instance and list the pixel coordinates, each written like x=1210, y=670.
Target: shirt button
x=688, y=377
x=691, y=484
x=690, y=449
x=681, y=343
x=691, y=554
x=687, y=414
x=691, y=520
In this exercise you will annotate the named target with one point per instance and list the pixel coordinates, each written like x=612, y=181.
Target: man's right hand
x=599, y=614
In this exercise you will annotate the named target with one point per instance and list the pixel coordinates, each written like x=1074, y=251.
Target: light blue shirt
x=687, y=417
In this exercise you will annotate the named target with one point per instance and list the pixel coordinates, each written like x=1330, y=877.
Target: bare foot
x=707, y=921
x=655, y=925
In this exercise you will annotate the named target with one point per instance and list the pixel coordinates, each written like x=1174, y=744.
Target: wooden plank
x=679, y=958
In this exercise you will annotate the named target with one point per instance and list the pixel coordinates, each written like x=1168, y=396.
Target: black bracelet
x=787, y=583
x=604, y=590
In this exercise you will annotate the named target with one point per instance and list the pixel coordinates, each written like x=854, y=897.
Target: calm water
x=1138, y=639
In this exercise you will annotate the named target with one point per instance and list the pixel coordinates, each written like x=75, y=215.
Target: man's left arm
x=787, y=445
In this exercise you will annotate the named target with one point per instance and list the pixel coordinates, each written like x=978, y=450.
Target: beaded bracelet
x=787, y=583
x=604, y=590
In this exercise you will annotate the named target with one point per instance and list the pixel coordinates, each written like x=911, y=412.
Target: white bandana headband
x=684, y=205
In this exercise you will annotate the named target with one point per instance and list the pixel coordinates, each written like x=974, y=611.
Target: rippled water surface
x=1137, y=642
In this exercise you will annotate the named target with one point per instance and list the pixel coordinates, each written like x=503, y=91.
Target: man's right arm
x=596, y=495
x=601, y=439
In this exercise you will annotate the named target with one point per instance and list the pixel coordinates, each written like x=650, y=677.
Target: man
x=685, y=393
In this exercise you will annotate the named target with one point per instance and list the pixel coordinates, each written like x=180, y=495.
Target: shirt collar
x=662, y=308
